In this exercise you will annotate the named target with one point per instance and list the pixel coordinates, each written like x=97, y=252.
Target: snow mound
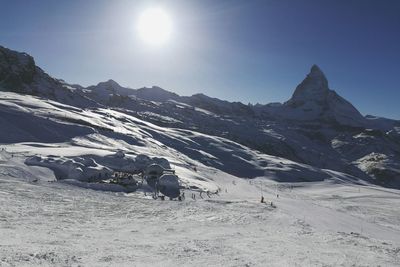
x=122, y=162
x=78, y=168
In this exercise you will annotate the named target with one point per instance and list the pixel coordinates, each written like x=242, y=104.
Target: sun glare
x=154, y=26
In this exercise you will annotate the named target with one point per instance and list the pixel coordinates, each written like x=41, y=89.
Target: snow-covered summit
x=103, y=90
x=155, y=93
x=109, y=83
x=314, y=100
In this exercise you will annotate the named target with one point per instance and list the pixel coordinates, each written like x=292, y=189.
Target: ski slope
x=313, y=224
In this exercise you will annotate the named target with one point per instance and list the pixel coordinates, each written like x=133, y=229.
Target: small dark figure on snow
x=262, y=199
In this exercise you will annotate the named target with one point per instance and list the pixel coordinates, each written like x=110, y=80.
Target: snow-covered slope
x=338, y=221
x=340, y=218
x=31, y=119
x=314, y=224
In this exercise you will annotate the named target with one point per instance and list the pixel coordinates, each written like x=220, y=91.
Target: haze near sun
x=154, y=26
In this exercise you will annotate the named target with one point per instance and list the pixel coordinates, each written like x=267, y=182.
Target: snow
x=313, y=224
x=81, y=169
x=317, y=216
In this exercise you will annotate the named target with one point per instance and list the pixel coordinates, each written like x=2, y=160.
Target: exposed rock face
x=313, y=100
x=18, y=73
x=16, y=69
x=313, y=88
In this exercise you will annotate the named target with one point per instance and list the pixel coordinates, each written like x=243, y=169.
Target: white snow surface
x=312, y=216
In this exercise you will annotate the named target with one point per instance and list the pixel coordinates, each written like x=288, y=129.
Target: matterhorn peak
x=315, y=70
x=313, y=87
x=313, y=99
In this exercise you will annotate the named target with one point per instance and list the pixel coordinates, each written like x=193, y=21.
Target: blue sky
x=249, y=51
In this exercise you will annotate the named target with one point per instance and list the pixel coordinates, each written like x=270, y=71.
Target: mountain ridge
x=315, y=126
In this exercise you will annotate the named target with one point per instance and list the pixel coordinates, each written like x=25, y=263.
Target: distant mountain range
x=316, y=126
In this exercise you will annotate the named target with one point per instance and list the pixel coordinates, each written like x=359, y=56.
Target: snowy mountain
x=328, y=177
x=315, y=126
x=19, y=73
x=313, y=100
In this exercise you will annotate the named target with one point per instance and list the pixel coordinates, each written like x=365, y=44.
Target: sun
x=154, y=26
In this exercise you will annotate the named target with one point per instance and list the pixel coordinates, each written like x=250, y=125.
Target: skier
x=262, y=199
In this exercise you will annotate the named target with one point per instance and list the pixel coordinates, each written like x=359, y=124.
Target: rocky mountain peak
x=16, y=69
x=313, y=100
x=109, y=83
x=313, y=87
x=316, y=72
